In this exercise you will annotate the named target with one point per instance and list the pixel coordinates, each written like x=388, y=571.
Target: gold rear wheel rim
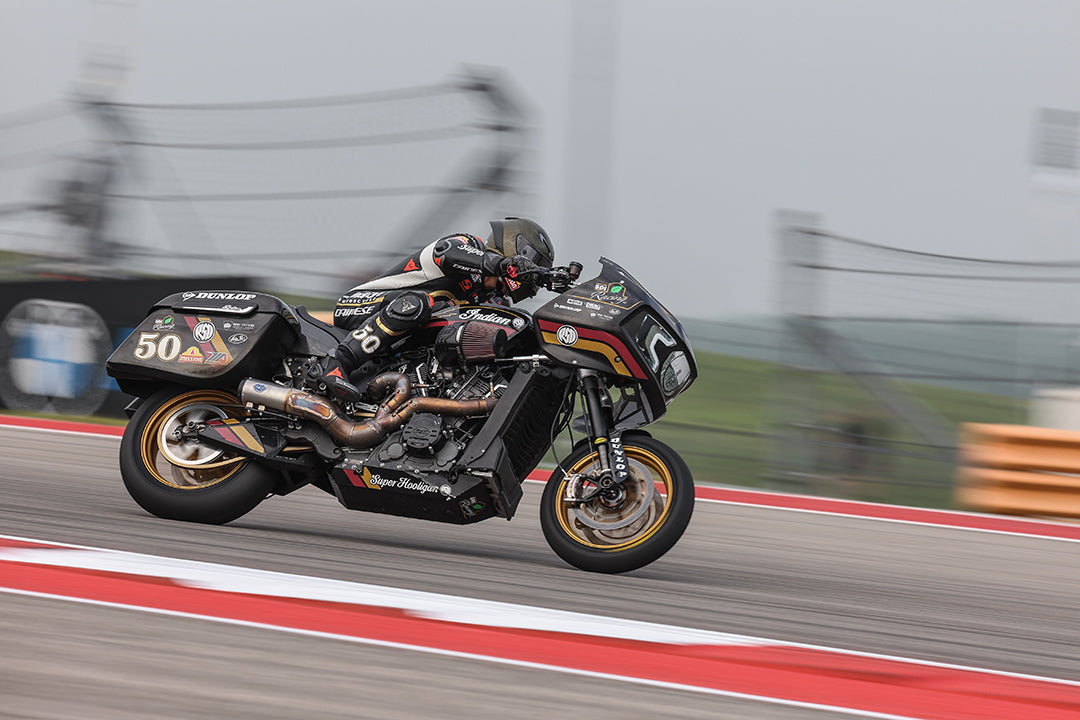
x=158, y=451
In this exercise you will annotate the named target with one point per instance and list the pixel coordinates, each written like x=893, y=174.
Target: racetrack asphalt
x=945, y=594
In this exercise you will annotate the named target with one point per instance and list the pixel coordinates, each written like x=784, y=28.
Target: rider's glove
x=516, y=266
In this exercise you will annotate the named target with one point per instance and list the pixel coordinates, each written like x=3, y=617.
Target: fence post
x=790, y=460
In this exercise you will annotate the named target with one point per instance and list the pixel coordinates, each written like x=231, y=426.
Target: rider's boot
x=330, y=376
x=372, y=339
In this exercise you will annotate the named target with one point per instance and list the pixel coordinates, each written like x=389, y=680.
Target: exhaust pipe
x=393, y=411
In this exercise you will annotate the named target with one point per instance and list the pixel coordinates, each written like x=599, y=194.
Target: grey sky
x=904, y=122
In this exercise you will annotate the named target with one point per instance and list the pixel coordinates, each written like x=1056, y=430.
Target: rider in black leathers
x=454, y=269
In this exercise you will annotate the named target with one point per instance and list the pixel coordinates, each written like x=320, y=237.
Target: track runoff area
x=763, y=669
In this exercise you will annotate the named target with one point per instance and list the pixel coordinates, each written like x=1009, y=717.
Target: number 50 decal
x=168, y=348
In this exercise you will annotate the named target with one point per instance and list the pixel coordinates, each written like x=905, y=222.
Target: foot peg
x=331, y=381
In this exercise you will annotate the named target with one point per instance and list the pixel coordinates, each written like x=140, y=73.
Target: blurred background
x=867, y=214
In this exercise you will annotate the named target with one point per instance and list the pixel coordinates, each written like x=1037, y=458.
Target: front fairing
x=612, y=324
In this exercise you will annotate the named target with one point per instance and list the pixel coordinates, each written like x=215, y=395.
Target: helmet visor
x=527, y=250
x=539, y=251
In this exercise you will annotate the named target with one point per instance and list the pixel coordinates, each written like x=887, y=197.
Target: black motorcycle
x=451, y=421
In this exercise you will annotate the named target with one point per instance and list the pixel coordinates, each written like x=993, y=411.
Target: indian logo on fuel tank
x=488, y=317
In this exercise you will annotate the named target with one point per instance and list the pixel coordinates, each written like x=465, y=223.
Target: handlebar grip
x=559, y=279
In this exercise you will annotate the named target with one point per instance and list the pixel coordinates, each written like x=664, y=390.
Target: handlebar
x=558, y=279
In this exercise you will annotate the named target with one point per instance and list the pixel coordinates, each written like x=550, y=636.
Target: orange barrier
x=1019, y=470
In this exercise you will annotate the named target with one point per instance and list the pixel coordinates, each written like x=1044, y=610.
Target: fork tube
x=594, y=411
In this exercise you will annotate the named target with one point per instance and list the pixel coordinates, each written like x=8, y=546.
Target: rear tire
x=631, y=528
x=211, y=485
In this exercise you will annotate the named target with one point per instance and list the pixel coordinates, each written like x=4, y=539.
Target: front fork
x=605, y=439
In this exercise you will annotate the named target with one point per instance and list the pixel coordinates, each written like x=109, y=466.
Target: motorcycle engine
x=431, y=442
x=423, y=434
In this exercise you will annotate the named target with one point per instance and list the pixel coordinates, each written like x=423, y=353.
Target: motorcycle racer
x=455, y=269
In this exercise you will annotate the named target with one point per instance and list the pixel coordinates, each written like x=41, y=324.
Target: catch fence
x=885, y=351
x=308, y=195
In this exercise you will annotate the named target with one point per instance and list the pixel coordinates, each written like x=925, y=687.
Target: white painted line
x=481, y=658
x=436, y=606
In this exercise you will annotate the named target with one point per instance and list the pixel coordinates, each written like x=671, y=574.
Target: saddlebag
x=208, y=339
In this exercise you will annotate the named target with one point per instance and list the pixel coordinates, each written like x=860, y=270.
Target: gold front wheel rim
x=650, y=482
x=159, y=450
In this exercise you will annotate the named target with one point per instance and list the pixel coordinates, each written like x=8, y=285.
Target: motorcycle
x=453, y=418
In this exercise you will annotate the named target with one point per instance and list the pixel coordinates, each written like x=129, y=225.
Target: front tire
x=630, y=527
x=188, y=481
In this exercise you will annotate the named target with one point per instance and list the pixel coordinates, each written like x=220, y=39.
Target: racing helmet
x=518, y=236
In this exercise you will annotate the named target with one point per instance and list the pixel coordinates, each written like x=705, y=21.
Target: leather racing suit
x=455, y=269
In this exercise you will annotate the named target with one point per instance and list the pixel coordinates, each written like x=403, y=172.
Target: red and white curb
x=739, y=496
x=701, y=661
x=64, y=426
